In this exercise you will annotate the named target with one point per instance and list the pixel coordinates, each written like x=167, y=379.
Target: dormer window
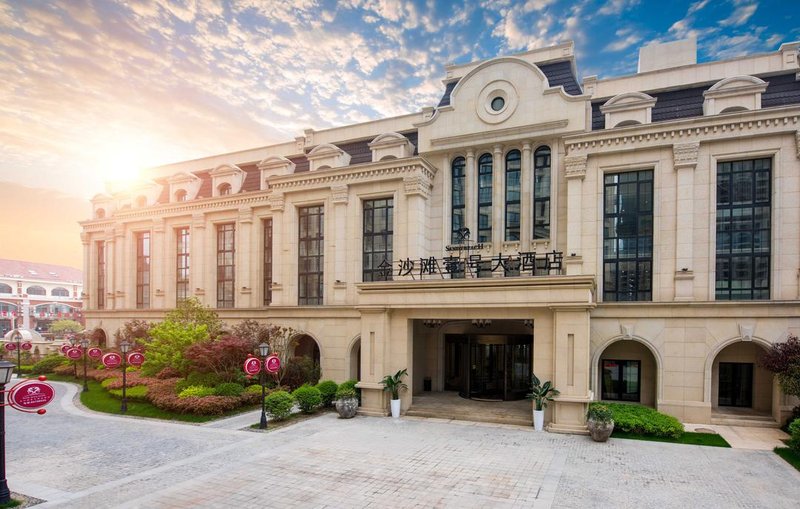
x=181, y=195
x=227, y=179
x=99, y=214
x=391, y=146
x=632, y=108
x=141, y=201
x=224, y=189
x=738, y=93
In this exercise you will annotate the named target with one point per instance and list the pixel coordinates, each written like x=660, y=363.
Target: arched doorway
x=355, y=360
x=306, y=346
x=738, y=382
x=98, y=337
x=628, y=372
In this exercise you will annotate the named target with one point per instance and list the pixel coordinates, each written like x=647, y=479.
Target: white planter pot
x=395, y=408
x=538, y=420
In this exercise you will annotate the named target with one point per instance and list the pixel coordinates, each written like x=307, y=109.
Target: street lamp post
x=124, y=347
x=73, y=340
x=85, y=346
x=263, y=349
x=6, y=370
x=17, y=337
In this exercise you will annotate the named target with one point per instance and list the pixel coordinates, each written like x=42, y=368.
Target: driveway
x=74, y=458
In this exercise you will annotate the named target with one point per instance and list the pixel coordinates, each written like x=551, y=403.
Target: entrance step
x=468, y=416
x=751, y=420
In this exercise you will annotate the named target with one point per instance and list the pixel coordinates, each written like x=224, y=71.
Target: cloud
x=626, y=38
x=740, y=15
x=616, y=7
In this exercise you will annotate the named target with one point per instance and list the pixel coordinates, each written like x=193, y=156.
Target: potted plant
x=346, y=402
x=600, y=421
x=394, y=383
x=541, y=394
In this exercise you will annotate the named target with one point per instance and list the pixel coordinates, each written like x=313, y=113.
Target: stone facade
x=523, y=177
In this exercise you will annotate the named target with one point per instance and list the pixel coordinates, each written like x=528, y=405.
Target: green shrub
x=794, y=435
x=643, y=420
x=48, y=364
x=308, y=398
x=135, y=393
x=327, y=389
x=228, y=389
x=195, y=378
x=196, y=391
x=279, y=404
x=345, y=392
x=600, y=413
x=255, y=389
x=351, y=385
x=108, y=381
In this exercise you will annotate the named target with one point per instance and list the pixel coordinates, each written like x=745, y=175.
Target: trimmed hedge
x=279, y=405
x=327, y=389
x=48, y=364
x=228, y=389
x=794, y=435
x=308, y=398
x=136, y=393
x=196, y=391
x=643, y=420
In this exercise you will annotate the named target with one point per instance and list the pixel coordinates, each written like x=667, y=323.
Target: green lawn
x=99, y=400
x=790, y=455
x=709, y=439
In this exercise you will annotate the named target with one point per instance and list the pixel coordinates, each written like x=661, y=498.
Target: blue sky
x=93, y=89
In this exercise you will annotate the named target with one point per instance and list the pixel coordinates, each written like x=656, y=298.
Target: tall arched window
x=224, y=189
x=59, y=292
x=35, y=290
x=4, y=288
x=485, y=198
x=513, y=168
x=181, y=195
x=458, y=177
x=541, y=193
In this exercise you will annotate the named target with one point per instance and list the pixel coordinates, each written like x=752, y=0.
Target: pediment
x=391, y=146
x=327, y=155
x=630, y=108
x=736, y=93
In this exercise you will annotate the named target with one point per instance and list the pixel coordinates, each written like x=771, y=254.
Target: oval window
x=498, y=103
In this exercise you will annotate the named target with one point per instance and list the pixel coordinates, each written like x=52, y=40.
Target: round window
x=498, y=103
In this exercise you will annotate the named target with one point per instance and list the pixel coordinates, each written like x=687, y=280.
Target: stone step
x=473, y=417
x=745, y=421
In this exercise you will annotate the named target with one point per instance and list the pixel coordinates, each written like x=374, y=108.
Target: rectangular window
x=182, y=263
x=268, y=262
x=513, y=170
x=142, y=270
x=458, y=178
x=378, y=238
x=485, y=198
x=743, y=229
x=622, y=380
x=310, y=260
x=541, y=193
x=628, y=236
x=101, y=275
x=226, y=266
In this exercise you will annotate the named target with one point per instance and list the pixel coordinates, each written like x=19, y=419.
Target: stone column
x=111, y=253
x=244, y=269
x=86, y=242
x=684, y=162
x=374, y=353
x=447, y=200
x=121, y=286
x=340, y=199
x=575, y=173
x=158, y=257
x=417, y=188
x=526, y=198
x=197, y=260
x=276, y=202
x=471, y=196
x=571, y=369
x=498, y=199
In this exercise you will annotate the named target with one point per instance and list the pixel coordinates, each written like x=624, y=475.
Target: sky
x=96, y=90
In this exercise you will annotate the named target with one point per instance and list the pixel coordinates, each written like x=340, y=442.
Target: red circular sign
x=11, y=347
x=252, y=365
x=74, y=353
x=135, y=358
x=273, y=364
x=31, y=395
x=27, y=345
x=64, y=348
x=112, y=360
x=95, y=353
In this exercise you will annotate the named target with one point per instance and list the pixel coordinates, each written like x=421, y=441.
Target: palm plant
x=541, y=393
x=394, y=383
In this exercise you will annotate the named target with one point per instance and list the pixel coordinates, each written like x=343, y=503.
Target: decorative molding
x=575, y=166
x=274, y=165
x=482, y=136
x=797, y=142
x=329, y=155
x=684, y=155
x=394, y=169
x=340, y=193
x=746, y=332
x=417, y=185
x=627, y=330
x=276, y=202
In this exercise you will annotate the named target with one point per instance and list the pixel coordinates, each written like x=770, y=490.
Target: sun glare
x=121, y=163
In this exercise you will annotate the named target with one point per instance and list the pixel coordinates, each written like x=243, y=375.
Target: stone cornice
x=747, y=124
x=486, y=136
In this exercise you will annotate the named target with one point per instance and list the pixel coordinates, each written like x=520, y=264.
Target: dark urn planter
x=347, y=407
x=599, y=430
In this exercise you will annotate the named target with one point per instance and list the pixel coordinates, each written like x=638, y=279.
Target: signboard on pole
x=74, y=353
x=95, y=353
x=112, y=360
x=273, y=364
x=252, y=366
x=31, y=395
x=64, y=348
x=135, y=358
x=11, y=347
x=27, y=345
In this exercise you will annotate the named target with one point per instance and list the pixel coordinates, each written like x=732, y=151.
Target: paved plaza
x=74, y=458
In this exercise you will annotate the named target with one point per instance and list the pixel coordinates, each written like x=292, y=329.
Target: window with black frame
x=513, y=170
x=142, y=270
x=268, y=261
x=743, y=229
x=628, y=236
x=541, y=193
x=182, y=264
x=485, y=198
x=378, y=239
x=621, y=380
x=310, y=255
x=226, y=265
x=458, y=178
x=101, y=275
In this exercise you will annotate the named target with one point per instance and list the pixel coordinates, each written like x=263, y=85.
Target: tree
x=192, y=312
x=281, y=341
x=223, y=357
x=61, y=327
x=133, y=331
x=167, y=345
x=250, y=330
x=783, y=359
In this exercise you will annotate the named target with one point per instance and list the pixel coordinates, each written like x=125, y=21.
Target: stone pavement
x=741, y=437
x=74, y=458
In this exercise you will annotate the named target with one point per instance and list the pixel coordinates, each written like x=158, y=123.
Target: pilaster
x=374, y=355
x=340, y=197
x=88, y=274
x=571, y=369
x=417, y=189
x=244, y=227
x=158, y=257
x=575, y=173
x=118, y=284
x=498, y=198
x=197, y=263
x=526, y=197
x=276, y=202
x=684, y=162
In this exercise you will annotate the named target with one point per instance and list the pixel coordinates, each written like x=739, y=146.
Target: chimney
x=667, y=55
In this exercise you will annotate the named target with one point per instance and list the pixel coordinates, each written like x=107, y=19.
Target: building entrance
x=736, y=384
x=488, y=366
